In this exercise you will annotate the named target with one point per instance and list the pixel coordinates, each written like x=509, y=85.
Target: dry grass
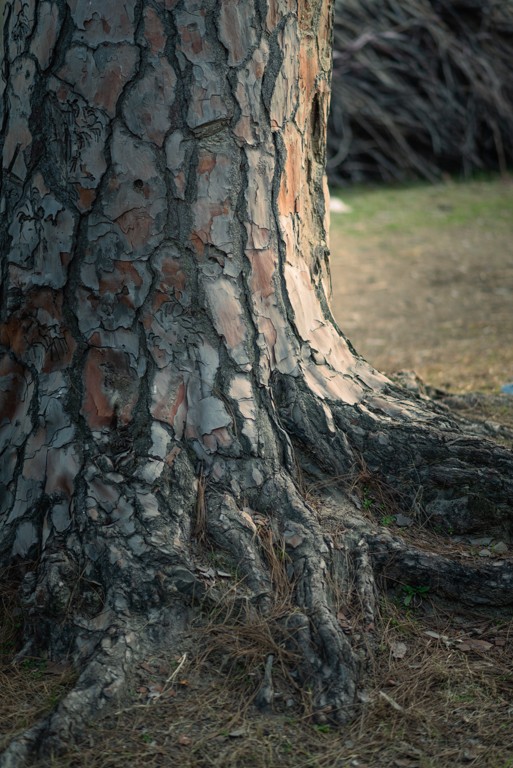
x=31, y=688
x=439, y=694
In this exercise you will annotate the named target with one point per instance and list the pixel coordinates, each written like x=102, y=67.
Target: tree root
x=429, y=459
x=473, y=585
x=318, y=561
x=103, y=676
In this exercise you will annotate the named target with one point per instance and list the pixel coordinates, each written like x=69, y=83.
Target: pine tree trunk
x=170, y=365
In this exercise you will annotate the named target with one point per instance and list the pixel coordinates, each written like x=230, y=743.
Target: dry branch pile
x=421, y=88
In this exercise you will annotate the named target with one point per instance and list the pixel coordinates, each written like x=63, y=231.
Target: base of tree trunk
x=173, y=379
x=295, y=539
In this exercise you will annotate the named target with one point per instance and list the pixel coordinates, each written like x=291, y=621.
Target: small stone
x=402, y=521
x=292, y=539
x=237, y=733
x=481, y=542
x=500, y=548
x=338, y=206
x=485, y=553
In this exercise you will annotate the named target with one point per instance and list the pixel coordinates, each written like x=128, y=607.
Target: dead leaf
x=247, y=517
x=475, y=645
x=391, y=701
x=208, y=573
x=54, y=668
x=171, y=456
x=344, y=622
x=398, y=649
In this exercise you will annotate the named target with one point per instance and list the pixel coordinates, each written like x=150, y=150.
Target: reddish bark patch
x=180, y=184
x=175, y=406
x=112, y=85
x=204, y=215
x=158, y=300
x=39, y=323
x=86, y=198
x=191, y=37
x=288, y=200
x=308, y=72
x=277, y=10
x=96, y=407
x=12, y=377
x=100, y=79
x=263, y=266
x=218, y=438
x=111, y=388
x=136, y=225
x=154, y=31
x=169, y=398
x=122, y=281
x=198, y=244
x=172, y=276
x=206, y=163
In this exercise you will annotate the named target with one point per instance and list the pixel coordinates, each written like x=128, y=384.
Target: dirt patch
x=439, y=694
x=423, y=279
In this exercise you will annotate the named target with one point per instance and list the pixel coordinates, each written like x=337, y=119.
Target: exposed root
x=286, y=559
x=331, y=664
x=101, y=680
x=416, y=447
x=304, y=571
x=469, y=584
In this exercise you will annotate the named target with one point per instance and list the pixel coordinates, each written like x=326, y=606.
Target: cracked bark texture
x=167, y=340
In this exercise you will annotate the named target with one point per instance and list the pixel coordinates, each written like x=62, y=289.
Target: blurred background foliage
x=421, y=89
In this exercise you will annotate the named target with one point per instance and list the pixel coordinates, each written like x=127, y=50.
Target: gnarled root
x=317, y=561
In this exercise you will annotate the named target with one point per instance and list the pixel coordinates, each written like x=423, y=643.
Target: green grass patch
x=407, y=208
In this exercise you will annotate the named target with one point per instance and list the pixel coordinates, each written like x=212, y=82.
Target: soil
x=423, y=279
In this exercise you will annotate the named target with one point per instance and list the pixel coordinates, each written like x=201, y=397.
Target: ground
x=423, y=279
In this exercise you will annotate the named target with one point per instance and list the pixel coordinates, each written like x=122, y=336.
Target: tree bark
x=171, y=368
